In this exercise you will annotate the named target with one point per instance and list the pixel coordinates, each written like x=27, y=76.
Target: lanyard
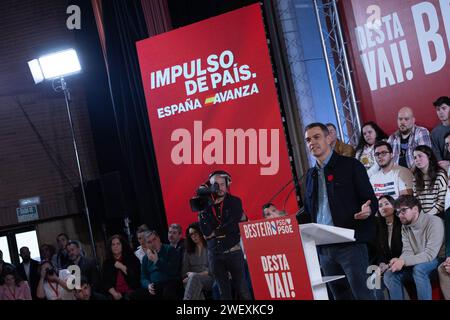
x=220, y=211
x=55, y=290
x=13, y=293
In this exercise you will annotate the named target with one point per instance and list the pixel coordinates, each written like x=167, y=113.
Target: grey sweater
x=422, y=240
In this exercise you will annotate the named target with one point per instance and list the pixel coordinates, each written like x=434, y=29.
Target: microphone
x=298, y=180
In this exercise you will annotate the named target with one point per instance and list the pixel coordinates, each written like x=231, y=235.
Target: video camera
x=204, y=198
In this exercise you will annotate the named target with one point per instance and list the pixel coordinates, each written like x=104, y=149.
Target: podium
x=312, y=235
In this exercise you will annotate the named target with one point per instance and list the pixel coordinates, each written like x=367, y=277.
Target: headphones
x=222, y=174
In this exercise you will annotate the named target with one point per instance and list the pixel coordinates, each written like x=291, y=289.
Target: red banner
x=275, y=259
x=401, y=57
x=212, y=105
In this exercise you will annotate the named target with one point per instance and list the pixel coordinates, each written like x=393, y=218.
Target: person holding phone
x=160, y=271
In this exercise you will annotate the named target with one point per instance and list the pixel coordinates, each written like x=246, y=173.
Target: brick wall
x=31, y=166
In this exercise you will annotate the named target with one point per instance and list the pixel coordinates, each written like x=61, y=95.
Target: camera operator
x=52, y=284
x=219, y=222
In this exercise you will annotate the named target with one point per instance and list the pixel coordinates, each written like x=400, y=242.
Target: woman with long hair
x=14, y=288
x=371, y=133
x=389, y=232
x=121, y=269
x=195, y=270
x=430, y=181
x=389, y=237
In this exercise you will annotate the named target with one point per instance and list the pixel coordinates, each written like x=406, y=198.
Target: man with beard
x=392, y=179
x=220, y=225
x=442, y=105
x=407, y=138
x=423, y=238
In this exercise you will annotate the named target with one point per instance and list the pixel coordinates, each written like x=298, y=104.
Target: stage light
x=55, y=67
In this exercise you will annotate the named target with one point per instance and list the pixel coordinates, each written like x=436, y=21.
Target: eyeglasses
x=382, y=153
x=401, y=211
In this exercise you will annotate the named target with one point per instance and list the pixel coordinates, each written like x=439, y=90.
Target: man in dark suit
x=338, y=193
x=29, y=270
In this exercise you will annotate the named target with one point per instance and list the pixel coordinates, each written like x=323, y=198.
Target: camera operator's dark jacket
x=348, y=188
x=227, y=232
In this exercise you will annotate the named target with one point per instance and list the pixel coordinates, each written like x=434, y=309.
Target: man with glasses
x=391, y=180
x=423, y=238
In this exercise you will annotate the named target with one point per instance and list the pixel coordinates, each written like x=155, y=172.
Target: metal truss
x=338, y=70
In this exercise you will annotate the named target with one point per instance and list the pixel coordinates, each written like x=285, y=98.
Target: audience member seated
x=14, y=288
x=174, y=236
x=88, y=267
x=195, y=271
x=430, y=181
x=140, y=233
x=337, y=145
x=61, y=259
x=407, y=138
x=438, y=134
x=47, y=252
x=28, y=270
x=121, y=269
x=53, y=283
x=423, y=237
x=160, y=271
x=270, y=211
x=391, y=179
x=86, y=293
x=371, y=133
x=389, y=237
x=4, y=266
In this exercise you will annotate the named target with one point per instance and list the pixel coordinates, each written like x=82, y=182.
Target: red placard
x=275, y=259
x=401, y=56
x=212, y=105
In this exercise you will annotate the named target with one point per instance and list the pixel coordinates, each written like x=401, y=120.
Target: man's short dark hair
x=265, y=206
x=383, y=143
x=177, y=227
x=329, y=124
x=84, y=280
x=409, y=201
x=76, y=243
x=63, y=235
x=320, y=125
x=441, y=100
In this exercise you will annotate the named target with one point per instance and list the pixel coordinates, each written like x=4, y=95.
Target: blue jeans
x=232, y=262
x=420, y=274
x=352, y=261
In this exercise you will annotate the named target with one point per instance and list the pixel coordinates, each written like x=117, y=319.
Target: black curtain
x=118, y=110
x=184, y=12
x=124, y=24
